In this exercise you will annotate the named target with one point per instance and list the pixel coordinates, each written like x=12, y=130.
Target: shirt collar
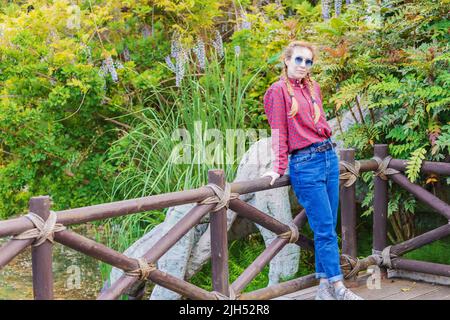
x=295, y=82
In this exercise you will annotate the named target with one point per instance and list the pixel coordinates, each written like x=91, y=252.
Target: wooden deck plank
x=310, y=293
x=415, y=289
x=440, y=292
x=387, y=287
x=391, y=289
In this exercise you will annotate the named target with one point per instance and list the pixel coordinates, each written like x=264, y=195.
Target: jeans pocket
x=300, y=159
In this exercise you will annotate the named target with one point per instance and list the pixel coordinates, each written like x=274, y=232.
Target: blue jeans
x=315, y=180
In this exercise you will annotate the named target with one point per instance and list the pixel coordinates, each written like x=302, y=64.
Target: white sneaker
x=325, y=292
x=344, y=293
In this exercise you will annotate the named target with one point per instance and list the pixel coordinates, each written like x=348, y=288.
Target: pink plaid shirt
x=289, y=134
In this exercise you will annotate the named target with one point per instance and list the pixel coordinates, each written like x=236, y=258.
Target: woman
x=294, y=110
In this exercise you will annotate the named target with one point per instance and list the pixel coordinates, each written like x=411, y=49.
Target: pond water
x=75, y=275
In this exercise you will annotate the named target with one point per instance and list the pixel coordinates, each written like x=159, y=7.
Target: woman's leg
x=308, y=179
x=333, y=183
x=341, y=292
x=297, y=160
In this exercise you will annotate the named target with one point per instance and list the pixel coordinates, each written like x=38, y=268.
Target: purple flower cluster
x=146, y=32
x=245, y=24
x=199, y=50
x=326, y=5
x=218, y=44
x=126, y=53
x=170, y=64
x=237, y=50
x=109, y=66
x=326, y=9
x=280, y=16
x=337, y=7
x=181, y=57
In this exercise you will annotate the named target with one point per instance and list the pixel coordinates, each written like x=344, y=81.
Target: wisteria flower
x=218, y=44
x=337, y=7
x=146, y=32
x=326, y=9
x=170, y=64
x=181, y=57
x=199, y=50
x=179, y=67
x=109, y=67
x=245, y=24
x=237, y=50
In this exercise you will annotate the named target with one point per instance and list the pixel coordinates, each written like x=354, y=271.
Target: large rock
x=275, y=202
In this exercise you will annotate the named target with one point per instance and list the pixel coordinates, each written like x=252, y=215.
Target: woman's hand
x=274, y=175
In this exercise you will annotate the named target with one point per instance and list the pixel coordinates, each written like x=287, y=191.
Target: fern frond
x=415, y=163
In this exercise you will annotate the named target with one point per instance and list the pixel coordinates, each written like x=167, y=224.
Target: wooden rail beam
x=421, y=266
x=11, y=249
x=191, y=219
x=421, y=240
x=423, y=195
x=103, y=253
x=264, y=258
x=280, y=289
x=246, y=210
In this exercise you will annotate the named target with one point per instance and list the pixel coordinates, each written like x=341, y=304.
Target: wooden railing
x=220, y=196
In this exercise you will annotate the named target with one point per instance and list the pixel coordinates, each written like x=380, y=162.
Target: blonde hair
x=287, y=54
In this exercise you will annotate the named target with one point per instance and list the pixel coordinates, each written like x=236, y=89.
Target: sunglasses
x=299, y=59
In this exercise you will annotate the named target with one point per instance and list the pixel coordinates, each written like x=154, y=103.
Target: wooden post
x=219, y=239
x=380, y=205
x=348, y=210
x=41, y=256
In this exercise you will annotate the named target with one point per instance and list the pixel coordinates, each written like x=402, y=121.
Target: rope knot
x=44, y=230
x=221, y=197
x=386, y=257
x=351, y=174
x=351, y=266
x=383, y=171
x=144, y=269
x=221, y=296
x=292, y=234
